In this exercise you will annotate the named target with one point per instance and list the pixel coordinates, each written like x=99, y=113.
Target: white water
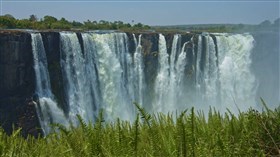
x=173, y=74
x=169, y=82
x=107, y=76
x=179, y=91
x=76, y=75
x=47, y=108
x=210, y=76
x=139, y=83
x=219, y=77
x=198, y=74
x=115, y=73
x=238, y=85
x=162, y=79
x=226, y=81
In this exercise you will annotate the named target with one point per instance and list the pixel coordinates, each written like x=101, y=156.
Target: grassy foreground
x=189, y=134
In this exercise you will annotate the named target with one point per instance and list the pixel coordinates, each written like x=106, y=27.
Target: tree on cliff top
x=50, y=22
x=33, y=18
x=7, y=21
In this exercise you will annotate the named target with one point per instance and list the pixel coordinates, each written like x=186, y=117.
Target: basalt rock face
x=149, y=43
x=51, y=42
x=17, y=82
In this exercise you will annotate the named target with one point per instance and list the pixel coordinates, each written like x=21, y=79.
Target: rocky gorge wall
x=18, y=81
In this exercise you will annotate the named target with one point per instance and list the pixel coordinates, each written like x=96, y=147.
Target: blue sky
x=147, y=12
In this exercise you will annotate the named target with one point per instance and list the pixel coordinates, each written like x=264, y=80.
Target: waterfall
x=138, y=71
x=162, y=79
x=179, y=91
x=238, y=85
x=198, y=74
x=99, y=72
x=47, y=109
x=77, y=84
x=210, y=73
x=115, y=74
x=101, y=78
x=224, y=79
x=173, y=77
x=91, y=71
x=169, y=81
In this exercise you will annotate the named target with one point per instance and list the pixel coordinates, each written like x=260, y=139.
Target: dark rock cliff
x=17, y=82
x=51, y=42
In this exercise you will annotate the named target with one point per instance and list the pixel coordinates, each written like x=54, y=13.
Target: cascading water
x=209, y=73
x=238, y=85
x=170, y=79
x=224, y=79
x=91, y=68
x=116, y=73
x=103, y=77
x=173, y=77
x=99, y=72
x=179, y=91
x=162, y=80
x=77, y=84
x=48, y=111
x=198, y=71
x=138, y=71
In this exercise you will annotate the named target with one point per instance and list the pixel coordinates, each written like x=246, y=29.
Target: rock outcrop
x=17, y=82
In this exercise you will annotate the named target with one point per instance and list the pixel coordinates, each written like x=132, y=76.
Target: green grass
x=190, y=133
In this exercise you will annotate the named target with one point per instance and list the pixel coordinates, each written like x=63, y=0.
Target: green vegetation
x=49, y=22
x=189, y=134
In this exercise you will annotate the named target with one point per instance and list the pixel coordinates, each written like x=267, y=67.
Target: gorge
x=51, y=76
